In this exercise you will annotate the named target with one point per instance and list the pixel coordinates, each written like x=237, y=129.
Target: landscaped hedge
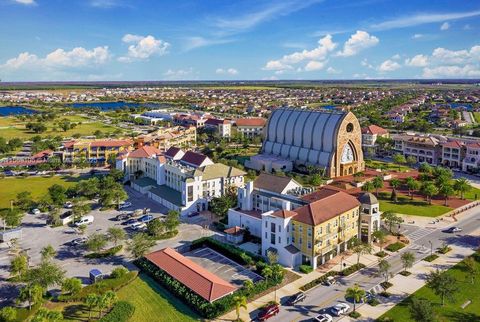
x=431, y=258
x=106, y=253
x=121, y=312
x=193, y=300
x=234, y=253
x=305, y=269
x=352, y=269
x=101, y=287
x=317, y=281
x=395, y=246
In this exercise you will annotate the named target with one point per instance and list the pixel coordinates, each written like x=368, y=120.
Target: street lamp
x=431, y=247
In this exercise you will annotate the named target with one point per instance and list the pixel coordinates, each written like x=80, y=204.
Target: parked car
x=453, y=230
x=68, y=205
x=330, y=281
x=340, y=309
x=125, y=205
x=121, y=217
x=369, y=296
x=129, y=222
x=85, y=220
x=78, y=241
x=294, y=299
x=36, y=211
x=193, y=214
x=145, y=218
x=138, y=226
x=323, y=318
x=268, y=311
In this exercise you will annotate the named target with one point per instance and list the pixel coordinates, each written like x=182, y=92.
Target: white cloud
x=181, y=74
x=389, y=66
x=143, y=47
x=331, y=70
x=365, y=63
x=456, y=57
x=417, y=61
x=106, y=4
x=418, y=36
x=314, y=65
x=320, y=53
x=358, y=42
x=229, y=71
x=197, y=42
x=420, y=19
x=26, y=2
x=59, y=58
x=452, y=71
x=445, y=26
x=396, y=56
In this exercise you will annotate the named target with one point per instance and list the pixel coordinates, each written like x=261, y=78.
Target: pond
x=15, y=110
x=105, y=106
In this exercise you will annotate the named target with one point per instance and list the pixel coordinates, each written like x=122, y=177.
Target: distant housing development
x=183, y=181
x=330, y=140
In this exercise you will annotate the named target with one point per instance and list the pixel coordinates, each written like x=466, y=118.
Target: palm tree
x=462, y=185
x=429, y=190
x=380, y=236
x=48, y=252
x=240, y=302
x=446, y=190
x=367, y=186
x=248, y=285
x=356, y=294
x=377, y=184
x=394, y=183
x=412, y=185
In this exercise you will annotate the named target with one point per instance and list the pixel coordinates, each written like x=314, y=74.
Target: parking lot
x=222, y=266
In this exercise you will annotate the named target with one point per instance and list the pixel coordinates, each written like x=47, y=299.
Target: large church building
x=327, y=139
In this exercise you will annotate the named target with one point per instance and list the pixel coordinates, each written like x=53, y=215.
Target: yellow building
x=166, y=137
x=93, y=151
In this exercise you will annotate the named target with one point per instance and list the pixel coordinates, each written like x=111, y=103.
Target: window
x=272, y=227
x=320, y=230
x=309, y=244
x=293, y=239
x=266, y=236
x=272, y=239
x=266, y=224
x=190, y=193
x=279, y=240
x=300, y=229
x=309, y=231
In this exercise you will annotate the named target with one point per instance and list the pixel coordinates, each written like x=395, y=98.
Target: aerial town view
x=254, y=160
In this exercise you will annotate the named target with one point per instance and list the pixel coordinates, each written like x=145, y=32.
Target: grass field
x=374, y=164
x=476, y=115
x=413, y=207
x=10, y=128
x=452, y=311
x=153, y=303
x=38, y=186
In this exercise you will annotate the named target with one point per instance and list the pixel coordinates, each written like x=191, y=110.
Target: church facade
x=330, y=140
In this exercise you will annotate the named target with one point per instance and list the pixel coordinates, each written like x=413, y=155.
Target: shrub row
x=322, y=279
x=101, y=287
x=305, y=269
x=193, y=300
x=106, y=253
x=352, y=269
x=444, y=249
x=395, y=246
x=234, y=253
x=430, y=258
x=121, y=312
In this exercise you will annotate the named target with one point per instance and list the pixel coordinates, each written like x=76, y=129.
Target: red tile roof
x=216, y=122
x=145, y=152
x=327, y=208
x=251, y=122
x=194, y=158
x=284, y=213
x=452, y=144
x=198, y=279
x=42, y=154
x=474, y=145
x=374, y=129
x=172, y=151
x=234, y=230
x=110, y=143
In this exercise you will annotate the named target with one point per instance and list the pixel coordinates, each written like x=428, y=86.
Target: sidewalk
x=403, y=286
x=294, y=287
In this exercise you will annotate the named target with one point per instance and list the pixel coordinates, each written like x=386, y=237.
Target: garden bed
x=431, y=258
x=395, y=247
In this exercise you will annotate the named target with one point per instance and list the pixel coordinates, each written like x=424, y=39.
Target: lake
x=15, y=110
x=105, y=106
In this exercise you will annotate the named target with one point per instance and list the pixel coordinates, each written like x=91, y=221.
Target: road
x=322, y=298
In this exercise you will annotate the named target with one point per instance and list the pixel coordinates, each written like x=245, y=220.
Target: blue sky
x=251, y=40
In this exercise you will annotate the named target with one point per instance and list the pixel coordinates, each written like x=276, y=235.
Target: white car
x=68, y=205
x=340, y=308
x=124, y=205
x=324, y=318
x=36, y=211
x=138, y=226
x=85, y=220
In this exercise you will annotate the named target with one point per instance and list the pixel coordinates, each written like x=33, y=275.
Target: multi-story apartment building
x=471, y=162
x=166, y=137
x=222, y=127
x=183, y=181
x=301, y=226
x=370, y=135
x=250, y=127
x=93, y=151
x=425, y=148
x=453, y=154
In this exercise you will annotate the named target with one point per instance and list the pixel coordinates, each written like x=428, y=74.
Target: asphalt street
x=322, y=298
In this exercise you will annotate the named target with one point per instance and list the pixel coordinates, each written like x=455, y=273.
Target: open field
x=452, y=311
x=413, y=207
x=38, y=186
x=10, y=128
x=374, y=164
x=153, y=303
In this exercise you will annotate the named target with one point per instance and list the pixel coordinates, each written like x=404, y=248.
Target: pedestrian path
x=420, y=248
x=420, y=233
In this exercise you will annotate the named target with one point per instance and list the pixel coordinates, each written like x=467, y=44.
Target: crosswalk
x=419, y=233
x=420, y=248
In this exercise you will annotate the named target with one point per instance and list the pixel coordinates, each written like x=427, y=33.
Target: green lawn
x=452, y=311
x=474, y=192
x=153, y=303
x=476, y=115
x=374, y=164
x=10, y=127
x=38, y=186
x=413, y=207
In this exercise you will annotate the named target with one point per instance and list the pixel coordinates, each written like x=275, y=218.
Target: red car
x=268, y=312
